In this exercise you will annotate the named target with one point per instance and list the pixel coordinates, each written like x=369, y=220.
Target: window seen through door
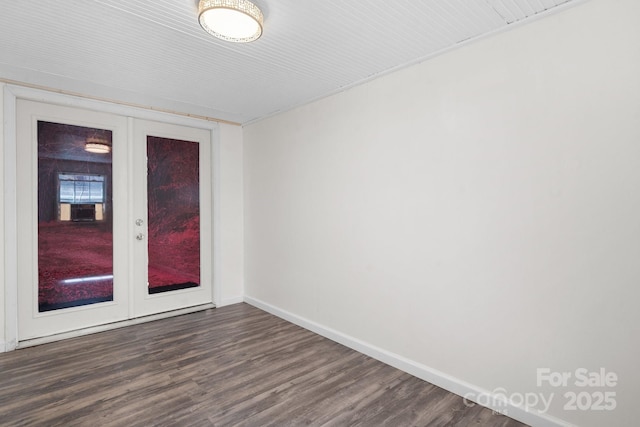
x=81, y=197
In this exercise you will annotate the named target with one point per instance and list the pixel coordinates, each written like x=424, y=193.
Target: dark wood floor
x=235, y=365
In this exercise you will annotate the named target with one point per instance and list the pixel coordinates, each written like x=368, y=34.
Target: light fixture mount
x=238, y=21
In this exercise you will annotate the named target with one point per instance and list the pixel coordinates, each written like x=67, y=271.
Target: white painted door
x=72, y=225
x=172, y=210
x=105, y=235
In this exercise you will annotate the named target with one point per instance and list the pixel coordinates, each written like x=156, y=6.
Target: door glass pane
x=75, y=227
x=173, y=194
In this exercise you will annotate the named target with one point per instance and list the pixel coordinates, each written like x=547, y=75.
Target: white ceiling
x=154, y=53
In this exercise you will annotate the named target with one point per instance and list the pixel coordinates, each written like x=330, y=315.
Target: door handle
x=140, y=236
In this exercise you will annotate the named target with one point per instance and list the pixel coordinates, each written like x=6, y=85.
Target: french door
x=172, y=217
x=114, y=218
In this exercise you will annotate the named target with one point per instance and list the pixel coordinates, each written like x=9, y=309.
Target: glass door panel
x=173, y=199
x=75, y=225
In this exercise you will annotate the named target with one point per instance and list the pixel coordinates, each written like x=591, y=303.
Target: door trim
x=11, y=94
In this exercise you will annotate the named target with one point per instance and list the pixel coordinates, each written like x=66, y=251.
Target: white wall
x=477, y=214
x=231, y=256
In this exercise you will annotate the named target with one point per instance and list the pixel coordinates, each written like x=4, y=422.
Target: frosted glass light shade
x=237, y=21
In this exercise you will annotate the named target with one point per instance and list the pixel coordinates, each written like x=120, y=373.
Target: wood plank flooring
x=230, y=366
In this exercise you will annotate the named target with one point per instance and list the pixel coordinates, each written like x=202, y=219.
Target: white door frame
x=11, y=94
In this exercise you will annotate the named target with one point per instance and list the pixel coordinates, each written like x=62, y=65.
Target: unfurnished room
x=320, y=213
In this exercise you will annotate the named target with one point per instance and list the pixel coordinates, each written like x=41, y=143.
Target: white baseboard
x=230, y=301
x=433, y=376
x=7, y=346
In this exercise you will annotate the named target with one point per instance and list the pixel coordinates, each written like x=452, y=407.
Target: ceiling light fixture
x=97, y=145
x=238, y=21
